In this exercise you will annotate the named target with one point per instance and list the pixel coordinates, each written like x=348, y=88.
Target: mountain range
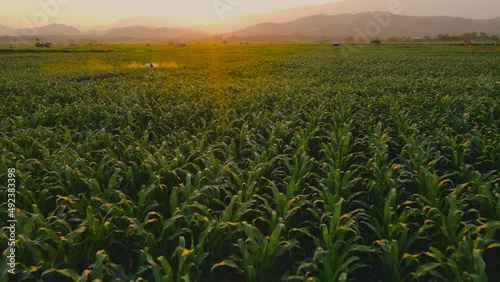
x=313, y=27
x=483, y=9
x=372, y=24
x=65, y=33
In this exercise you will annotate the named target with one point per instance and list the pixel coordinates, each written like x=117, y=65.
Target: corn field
x=252, y=163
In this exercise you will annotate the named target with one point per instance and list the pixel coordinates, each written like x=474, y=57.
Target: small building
x=469, y=41
x=337, y=43
x=417, y=39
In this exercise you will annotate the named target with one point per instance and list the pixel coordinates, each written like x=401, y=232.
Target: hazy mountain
x=64, y=33
x=142, y=32
x=52, y=29
x=151, y=22
x=242, y=21
x=320, y=26
x=349, y=25
x=485, y=9
x=5, y=30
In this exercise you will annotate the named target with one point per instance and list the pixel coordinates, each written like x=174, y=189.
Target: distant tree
x=494, y=37
x=427, y=38
x=443, y=37
x=224, y=42
x=466, y=36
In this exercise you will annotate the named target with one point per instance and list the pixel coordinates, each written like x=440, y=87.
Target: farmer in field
x=150, y=65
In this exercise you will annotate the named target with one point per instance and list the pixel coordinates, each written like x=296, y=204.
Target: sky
x=102, y=12
x=80, y=13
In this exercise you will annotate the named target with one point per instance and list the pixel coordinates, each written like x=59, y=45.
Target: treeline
x=465, y=36
x=482, y=36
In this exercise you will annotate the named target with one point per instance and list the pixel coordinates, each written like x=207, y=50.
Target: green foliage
x=253, y=163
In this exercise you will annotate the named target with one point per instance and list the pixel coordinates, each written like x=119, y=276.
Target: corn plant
x=251, y=163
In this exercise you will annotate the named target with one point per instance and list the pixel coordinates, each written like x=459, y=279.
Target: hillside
x=65, y=33
x=141, y=32
x=4, y=30
x=487, y=9
x=350, y=25
x=52, y=29
x=321, y=26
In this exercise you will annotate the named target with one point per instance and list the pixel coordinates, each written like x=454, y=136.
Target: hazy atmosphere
x=26, y=13
x=94, y=12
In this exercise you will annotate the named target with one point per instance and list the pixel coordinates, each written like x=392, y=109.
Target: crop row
x=306, y=166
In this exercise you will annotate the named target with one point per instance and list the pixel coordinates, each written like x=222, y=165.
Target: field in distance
x=258, y=162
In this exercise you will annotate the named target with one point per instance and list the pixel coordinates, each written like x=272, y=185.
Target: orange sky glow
x=22, y=13
x=95, y=13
